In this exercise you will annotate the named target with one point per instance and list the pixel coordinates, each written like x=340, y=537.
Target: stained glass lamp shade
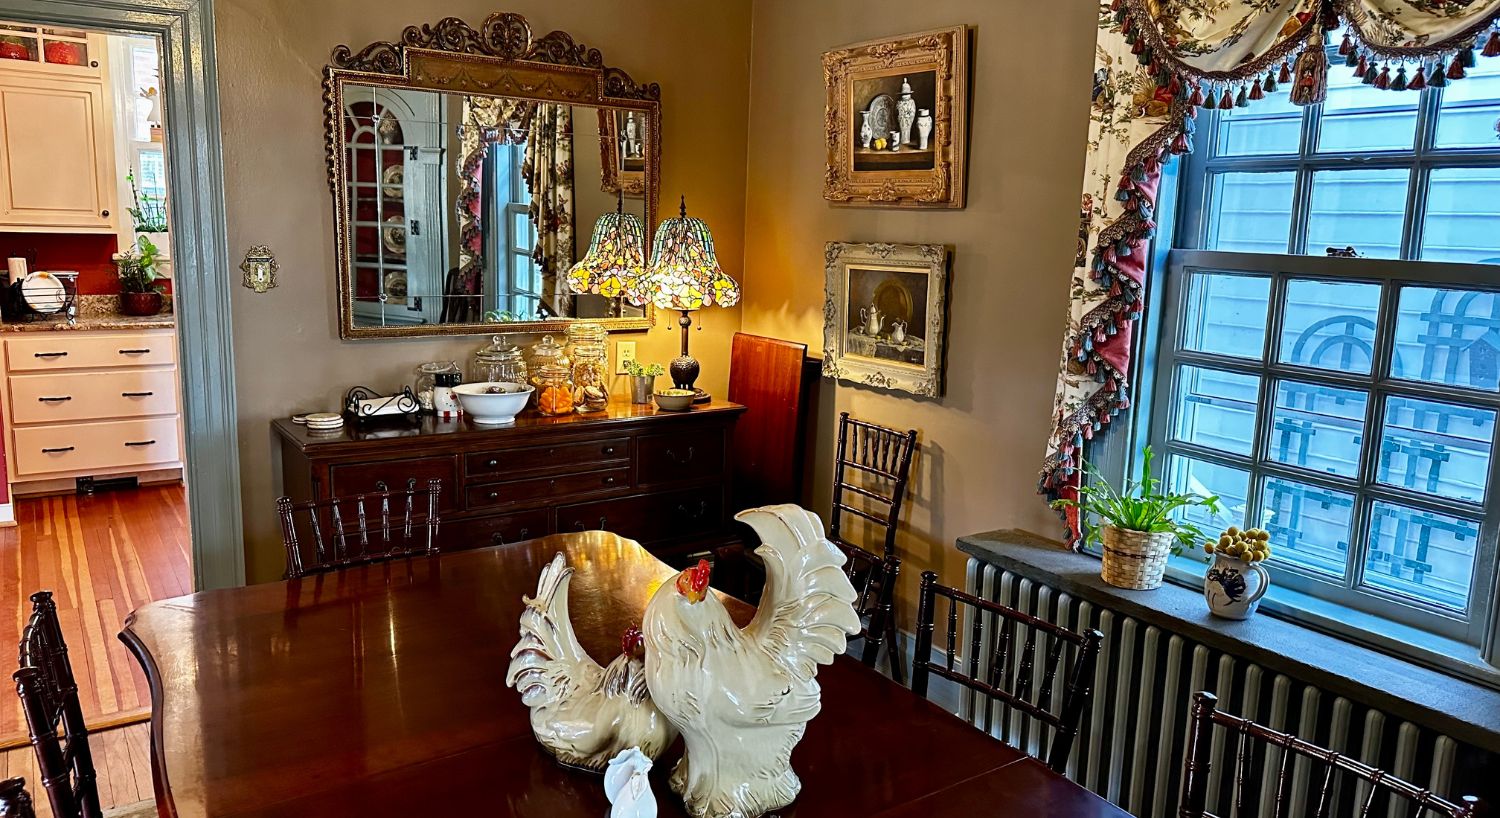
x=685, y=275
x=615, y=263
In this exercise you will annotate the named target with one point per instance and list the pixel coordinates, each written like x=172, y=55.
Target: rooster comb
x=631, y=641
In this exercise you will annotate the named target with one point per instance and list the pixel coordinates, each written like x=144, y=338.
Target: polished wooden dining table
x=379, y=691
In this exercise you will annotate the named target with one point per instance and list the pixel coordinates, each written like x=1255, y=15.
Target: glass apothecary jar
x=500, y=362
x=426, y=376
x=589, y=354
x=554, y=389
x=543, y=353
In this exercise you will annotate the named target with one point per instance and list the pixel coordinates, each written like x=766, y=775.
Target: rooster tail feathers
x=547, y=639
x=807, y=611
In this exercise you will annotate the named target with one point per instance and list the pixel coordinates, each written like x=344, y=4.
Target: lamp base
x=684, y=370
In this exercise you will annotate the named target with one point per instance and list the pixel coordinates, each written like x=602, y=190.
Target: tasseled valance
x=1157, y=62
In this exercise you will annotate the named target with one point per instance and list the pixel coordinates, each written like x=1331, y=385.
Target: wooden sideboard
x=661, y=478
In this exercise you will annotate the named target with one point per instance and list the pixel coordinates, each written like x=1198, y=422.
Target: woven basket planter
x=1135, y=559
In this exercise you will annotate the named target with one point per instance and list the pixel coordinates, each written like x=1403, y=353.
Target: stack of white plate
x=325, y=421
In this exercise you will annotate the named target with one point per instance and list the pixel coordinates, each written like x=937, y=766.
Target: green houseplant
x=642, y=380
x=140, y=284
x=1138, y=527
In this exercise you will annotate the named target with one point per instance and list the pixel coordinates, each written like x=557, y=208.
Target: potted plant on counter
x=140, y=287
x=642, y=380
x=1137, y=527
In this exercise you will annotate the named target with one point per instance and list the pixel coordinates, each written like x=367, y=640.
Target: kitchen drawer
x=649, y=517
x=82, y=447
x=364, y=478
x=548, y=488
x=50, y=351
x=123, y=393
x=561, y=456
x=459, y=535
x=679, y=456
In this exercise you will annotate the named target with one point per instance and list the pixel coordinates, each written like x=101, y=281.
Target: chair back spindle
x=49, y=699
x=1198, y=766
x=412, y=533
x=1012, y=676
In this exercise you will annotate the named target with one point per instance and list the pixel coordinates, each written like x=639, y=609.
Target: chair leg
x=893, y=652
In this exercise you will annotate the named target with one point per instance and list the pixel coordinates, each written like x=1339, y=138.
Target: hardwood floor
x=102, y=557
x=122, y=762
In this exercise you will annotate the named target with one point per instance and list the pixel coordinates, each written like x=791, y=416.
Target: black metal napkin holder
x=365, y=406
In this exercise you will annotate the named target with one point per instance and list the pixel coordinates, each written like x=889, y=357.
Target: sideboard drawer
x=51, y=351
x=548, y=488
x=487, y=531
x=95, y=446
x=691, y=455
x=363, y=478
x=124, y=393
x=585, y=454
x=649, y=517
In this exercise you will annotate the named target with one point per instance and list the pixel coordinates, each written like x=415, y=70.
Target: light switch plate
x=624, y=351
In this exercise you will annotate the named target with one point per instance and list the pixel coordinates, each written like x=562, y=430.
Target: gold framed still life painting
x=885, y=318
x=897, y=121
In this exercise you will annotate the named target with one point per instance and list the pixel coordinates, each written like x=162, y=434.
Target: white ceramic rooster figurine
x=581, y=713
x=742, y=698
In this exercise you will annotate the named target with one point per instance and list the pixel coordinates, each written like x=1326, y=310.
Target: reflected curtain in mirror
x=549, y=176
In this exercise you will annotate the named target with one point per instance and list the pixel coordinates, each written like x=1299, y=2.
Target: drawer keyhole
x=681, y=459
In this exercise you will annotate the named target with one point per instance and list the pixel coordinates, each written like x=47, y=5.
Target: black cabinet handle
x=58, y=450
x=684, y=511
x=59, y=399
x=134, y=351
x=682, y=461
x=104, y=213
x=603, y=523
x=136, y=394
x=140, y=443
x=50, y=355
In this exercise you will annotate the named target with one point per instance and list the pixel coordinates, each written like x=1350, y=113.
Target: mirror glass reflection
x=466, y=209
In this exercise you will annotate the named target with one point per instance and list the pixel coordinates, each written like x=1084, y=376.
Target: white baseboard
x=7, y=515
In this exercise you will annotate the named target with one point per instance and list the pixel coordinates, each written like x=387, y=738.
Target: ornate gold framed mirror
x=487, y=182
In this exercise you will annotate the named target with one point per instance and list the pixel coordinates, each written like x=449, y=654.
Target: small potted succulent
x=1138, y=527
x=1236, y=581
x=642, y=380
x=140, y=286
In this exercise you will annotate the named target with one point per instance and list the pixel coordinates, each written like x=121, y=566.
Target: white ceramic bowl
x=489, y=408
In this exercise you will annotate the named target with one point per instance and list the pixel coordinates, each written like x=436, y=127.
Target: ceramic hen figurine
x=581, y=713
x=742, y=698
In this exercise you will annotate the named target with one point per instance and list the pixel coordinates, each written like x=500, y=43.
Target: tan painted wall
x=982, y=443
x=271, y=55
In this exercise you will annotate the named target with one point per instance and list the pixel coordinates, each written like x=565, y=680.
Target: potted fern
x=140, y=288
x=1137, y=527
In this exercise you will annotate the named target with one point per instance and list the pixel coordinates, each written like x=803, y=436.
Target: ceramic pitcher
x=898, y=331
x=1233, y=587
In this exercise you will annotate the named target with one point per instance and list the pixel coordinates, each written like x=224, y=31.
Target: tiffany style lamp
x=684, y=275
x=616, y=259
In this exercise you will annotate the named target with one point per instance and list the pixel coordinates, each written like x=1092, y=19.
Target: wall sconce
x=260, y=268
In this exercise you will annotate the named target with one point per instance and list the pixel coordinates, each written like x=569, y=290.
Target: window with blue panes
x=1347, y=405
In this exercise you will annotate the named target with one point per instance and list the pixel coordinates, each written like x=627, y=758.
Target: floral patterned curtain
x=1156, y=63
x=486, y=121
x=549, y=176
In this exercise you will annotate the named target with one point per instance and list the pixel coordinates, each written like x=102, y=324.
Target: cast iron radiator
x=1130, y=747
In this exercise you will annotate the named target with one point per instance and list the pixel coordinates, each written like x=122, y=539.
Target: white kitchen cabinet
x=57, y=165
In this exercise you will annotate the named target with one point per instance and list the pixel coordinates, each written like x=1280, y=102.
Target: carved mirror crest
x=469, y=168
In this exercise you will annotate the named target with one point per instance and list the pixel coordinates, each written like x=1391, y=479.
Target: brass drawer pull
x=50, y=355
x=145, y=351
x=59, y=450
x=136, y=394
x=59, y=399
x=682, y=461
x=140, y=443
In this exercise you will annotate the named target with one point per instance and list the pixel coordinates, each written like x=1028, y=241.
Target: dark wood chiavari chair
x=406, y=524
x=1012, y=670
x=1198, y=764
x=15, y=801
x=881, y=457
x=874, y=581
x=49, y=697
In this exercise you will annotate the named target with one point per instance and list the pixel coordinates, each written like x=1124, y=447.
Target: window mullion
x=1302, y=197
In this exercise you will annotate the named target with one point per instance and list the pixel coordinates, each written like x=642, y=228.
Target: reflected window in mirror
x=511, y=238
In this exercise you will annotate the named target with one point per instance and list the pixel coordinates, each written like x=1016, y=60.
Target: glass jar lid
x=581, y=331
x=499, y=351
x=546, y=349
x=438, y=367
x=554, y=372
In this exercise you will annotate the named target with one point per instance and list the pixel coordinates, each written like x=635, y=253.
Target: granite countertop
x=87, y=323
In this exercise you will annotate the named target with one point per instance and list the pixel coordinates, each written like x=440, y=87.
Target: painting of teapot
x=898, y=332
x=871, y=320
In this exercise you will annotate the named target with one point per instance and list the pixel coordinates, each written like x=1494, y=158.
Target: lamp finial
x=684, y=206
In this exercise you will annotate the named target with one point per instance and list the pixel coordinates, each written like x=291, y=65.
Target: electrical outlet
x=624, y=352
